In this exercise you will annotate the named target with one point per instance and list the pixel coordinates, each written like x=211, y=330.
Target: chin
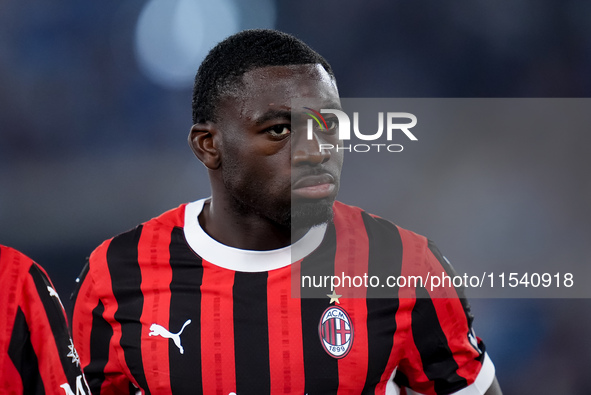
x=305, y=215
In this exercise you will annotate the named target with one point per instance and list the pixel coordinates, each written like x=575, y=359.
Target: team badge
x=336, y=332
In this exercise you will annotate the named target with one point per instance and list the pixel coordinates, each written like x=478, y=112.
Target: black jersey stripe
x=385, y=255
x=54, y=314
x=320, y=369
x=319, y=267
x=126, y=279
x=100, y=335
x=251, y=333
x=23, y=356
x=385, y=259
x=438, y=362
x=401, y=380
x=185, y=303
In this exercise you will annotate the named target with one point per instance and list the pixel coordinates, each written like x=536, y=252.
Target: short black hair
x=227, y=62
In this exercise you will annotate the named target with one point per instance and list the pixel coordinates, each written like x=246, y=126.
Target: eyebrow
x=273, y=114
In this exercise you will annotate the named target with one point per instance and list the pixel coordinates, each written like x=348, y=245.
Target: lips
x=317, y=186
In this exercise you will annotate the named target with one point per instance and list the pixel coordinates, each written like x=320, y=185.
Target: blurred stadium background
x=95, y=110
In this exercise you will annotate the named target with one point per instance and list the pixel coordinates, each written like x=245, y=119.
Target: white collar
x=245, y=260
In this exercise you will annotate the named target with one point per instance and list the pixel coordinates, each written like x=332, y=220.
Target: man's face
x=268, y=167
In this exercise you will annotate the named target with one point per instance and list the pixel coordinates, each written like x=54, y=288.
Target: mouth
x=318, y=186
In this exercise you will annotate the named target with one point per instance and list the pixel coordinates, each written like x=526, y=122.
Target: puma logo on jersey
x=159, y=330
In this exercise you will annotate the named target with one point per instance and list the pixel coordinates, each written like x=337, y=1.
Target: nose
x=308, y=152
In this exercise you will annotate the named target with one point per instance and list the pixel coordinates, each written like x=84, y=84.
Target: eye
x=332, y=124
x=279, y=131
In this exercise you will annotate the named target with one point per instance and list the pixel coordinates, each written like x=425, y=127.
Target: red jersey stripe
x=156, y=278
x=217, y=342
x=114, y=381
x=285, y=335
x=352, y=259
x=10, y=274
x=411, y=264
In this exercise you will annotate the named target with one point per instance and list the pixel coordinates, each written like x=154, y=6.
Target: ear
x=205, y=143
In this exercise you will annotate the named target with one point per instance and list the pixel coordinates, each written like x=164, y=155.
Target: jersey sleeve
x=94, y=329
x=39, y=356
x=444, y=356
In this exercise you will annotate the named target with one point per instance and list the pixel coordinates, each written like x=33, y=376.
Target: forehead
x=302, y=79
x=274, y=87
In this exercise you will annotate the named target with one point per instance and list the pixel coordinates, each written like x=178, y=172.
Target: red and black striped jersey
x=164, y=308
x=37, y=355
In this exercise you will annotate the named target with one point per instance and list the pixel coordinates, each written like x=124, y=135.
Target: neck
x=246, y=231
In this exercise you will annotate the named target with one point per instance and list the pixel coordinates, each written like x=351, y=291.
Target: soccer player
x=200, y=299
x=37, y=355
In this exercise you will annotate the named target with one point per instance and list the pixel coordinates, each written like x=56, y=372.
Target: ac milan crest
x=336, y=332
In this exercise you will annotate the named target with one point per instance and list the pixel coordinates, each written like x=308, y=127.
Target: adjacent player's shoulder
x=14, y=265
x=10, y=256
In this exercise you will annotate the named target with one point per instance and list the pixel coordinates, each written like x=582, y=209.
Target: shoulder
x=15, y=266
x=377, y=228
x=10, y=257
x=124, y=249
x=171, y=218
x=413, y=253
x=130, y=238
x=26, y=287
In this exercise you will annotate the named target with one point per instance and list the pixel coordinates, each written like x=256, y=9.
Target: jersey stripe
x=153, y=250
x=217, y=343
x=251, y=337
x=445, y=265
x=385, y=255
x=23, y=356
x=94, y=328
x=321, y=370
x=431, y=327
x=99, y=348
x=126, y=278
x=319, y=266
x=45, y=312
x=352, y=258
x=285, y=333
x=403, y=338
x=9, y=280
x=385, y=259
x=185, y=303
x=456, y=331
x=428, y=336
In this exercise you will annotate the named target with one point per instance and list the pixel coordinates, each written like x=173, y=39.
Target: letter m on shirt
x=79, y=387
